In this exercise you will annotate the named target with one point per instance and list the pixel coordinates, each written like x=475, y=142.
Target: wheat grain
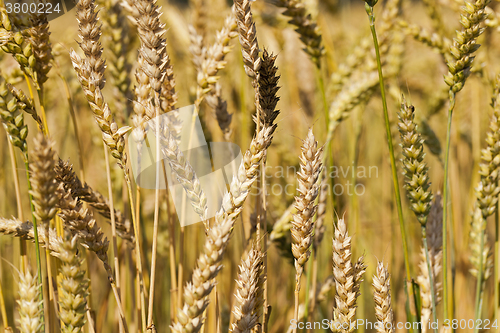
x=118, y=43
x=43, y=179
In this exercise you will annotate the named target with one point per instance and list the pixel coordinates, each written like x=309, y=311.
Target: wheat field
x=250, y=166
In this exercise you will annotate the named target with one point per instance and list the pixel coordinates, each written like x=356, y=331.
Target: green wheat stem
x=446, y=194
x=369, y=11
x=431, y=275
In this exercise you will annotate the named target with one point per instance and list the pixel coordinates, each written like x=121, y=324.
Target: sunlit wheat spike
x=417, y=182
x=72, y=285
x=40, y=40
x=302, y=223
x=248, y=294
x=347, y=278
x=90, y=73
x=464, y=45
x=43, y=179
x=248, y=37
x=81, y=223
x=382, y=297
x=184, y=172
x=30, y=313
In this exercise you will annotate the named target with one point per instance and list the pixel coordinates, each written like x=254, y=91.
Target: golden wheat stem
x=142, y=304
x=72, y=113
x=113, y=227
x=173, y=276
x=3, y=310
x=156, y=214
x=17, y=189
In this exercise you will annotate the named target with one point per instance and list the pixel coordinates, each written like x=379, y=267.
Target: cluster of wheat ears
x=154, y=275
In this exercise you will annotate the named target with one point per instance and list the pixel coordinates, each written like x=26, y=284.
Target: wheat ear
x=248, y=37
x=197, y=291
x=43, y=179
x=302, y=223
x=417, y=181
x=66, y=175
x=382, y=297
x=72, y=285
x=347, y=279
x=464, y=45
x=90, y=73
x=13, y=119
x=307, y=28
x=24, y=230
x=249, y=291
x=29, y=304
x=40, y=41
